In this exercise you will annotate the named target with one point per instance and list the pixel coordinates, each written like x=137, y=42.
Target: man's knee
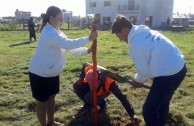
x=75, y=85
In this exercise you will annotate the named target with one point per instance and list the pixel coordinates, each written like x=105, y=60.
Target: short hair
x=119, y=23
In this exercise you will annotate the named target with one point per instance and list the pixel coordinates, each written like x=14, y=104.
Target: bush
x=10, y=26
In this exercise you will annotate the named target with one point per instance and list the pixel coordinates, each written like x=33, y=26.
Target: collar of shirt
x=53, y=28
x=136, y=29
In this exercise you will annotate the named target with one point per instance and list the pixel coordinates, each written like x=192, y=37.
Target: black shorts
x=43, y=87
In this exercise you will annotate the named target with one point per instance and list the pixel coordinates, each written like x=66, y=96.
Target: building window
x=148, y=20
x=133, y=19
x=92, y=4
x=107, y=3
x=106, y=19
x=131, y=4
x=97, y=19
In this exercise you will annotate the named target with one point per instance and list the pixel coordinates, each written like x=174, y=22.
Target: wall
x=159, y=10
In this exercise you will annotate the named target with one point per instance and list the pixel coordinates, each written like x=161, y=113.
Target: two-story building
x=22, y=16
x=153, y=13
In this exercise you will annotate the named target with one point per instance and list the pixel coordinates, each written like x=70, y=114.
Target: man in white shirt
x=156, y=58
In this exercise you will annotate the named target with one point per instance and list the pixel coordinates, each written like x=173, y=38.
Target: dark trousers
x=32, y=34
x=84, y=93
x=156, y=106
x=81, y=90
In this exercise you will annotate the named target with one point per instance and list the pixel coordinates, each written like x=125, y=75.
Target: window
x=106, y=19
x=97, y=18
x=148, y=20
x=131, y=4
x=92, y=4
x=107, y=3
x=133, y=19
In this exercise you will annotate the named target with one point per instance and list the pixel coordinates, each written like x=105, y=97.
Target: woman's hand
x=90, y=49
x=93, y=35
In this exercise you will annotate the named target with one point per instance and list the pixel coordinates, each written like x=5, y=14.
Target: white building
x=68, y=16
x=19, y=15
x=153, y=13
x=22, y=16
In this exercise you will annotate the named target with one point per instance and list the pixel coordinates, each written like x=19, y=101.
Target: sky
x=8, y=7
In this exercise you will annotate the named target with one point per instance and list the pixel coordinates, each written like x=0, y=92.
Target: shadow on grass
x=86, y=119
x=31, y=106
x=19, y=44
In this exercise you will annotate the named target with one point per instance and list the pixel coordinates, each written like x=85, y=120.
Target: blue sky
x=8, y=7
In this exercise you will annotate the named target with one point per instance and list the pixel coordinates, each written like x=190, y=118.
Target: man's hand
x=136, y=84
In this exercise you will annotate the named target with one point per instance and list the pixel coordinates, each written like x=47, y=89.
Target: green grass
x=17, y=107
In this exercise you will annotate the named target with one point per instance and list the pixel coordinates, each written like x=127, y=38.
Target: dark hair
x=119, y=23
x=51, y=11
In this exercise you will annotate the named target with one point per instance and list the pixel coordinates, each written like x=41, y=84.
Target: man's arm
x=82, y=74
x=122, y=98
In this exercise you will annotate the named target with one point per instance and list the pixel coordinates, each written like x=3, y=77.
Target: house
x=22, y=16
x=180, y=20
x=68, y=16
x=153, y=13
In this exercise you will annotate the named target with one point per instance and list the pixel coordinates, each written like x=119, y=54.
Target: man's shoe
x=84, y=108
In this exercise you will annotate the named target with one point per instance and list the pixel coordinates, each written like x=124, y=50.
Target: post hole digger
x=119, y=78
x=93, y=87
x=104, y=72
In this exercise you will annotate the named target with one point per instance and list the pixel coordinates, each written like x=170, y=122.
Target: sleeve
x=34, y=24
x=79, y=51
x=141, y=62
x=142, y=68
x=82, y=75
x=122, y=98
x=59, y=40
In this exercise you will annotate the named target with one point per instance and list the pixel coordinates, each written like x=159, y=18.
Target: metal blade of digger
x=118, y=78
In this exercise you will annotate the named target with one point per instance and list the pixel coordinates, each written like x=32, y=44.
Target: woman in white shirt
x=48, y=61
x=156, y=58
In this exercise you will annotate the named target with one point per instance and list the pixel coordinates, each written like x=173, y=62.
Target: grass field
x=17, y=107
